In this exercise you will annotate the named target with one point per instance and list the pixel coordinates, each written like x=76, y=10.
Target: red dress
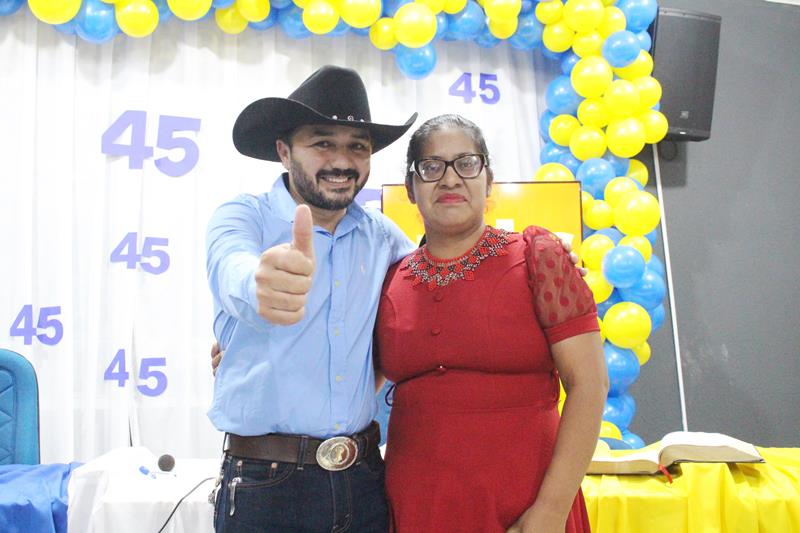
x=474, y=413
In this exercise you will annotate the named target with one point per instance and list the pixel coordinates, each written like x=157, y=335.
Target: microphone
x=166, y=463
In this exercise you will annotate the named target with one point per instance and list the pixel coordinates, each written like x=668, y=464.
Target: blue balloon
x=415, y=63
x=364, y=31
x=604, y=306
x=529, y=33
x=648, y=292
x=656, y=265
x=632, y=439
x=568, y=63
x=485, y=39
x=618, y=411
x=96, y=22
x=291, y=22
x=657, y=317
x=341, y=28
x=544, y=124
x=390, y=7
x=569, y=161
x=645, y=40
x=621, y=164
x=267, y=23
x=623, y=266
x=164, y=12
x=68, y=28
x=561, y=97
x=652, y=237
x=638, y=13
x=222, y=4
x=466, y=24
x=8, y=7
x=657, y=107
x=527, y=7
x=588, y=232
x=551, y=152
x=549, y=54
x=612, y=233
x=280, y=4
x=594, y=174
x=621, y=48
x=623, y=368
x=441, y=26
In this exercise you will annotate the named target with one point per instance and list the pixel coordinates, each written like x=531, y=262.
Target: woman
x=475, y=328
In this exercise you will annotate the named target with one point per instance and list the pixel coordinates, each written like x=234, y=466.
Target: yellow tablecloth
x=703, y=498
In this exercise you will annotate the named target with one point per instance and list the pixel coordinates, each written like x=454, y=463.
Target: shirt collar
x=284, y=206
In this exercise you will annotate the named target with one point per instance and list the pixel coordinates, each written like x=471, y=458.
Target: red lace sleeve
x=563, y=302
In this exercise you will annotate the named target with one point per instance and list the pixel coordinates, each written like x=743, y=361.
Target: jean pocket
x=373, y=464
x=255, y=473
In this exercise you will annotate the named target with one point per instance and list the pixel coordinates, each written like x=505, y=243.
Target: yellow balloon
x=613, y=21
x=609, y=2
x=594, y=249
x=641, y=66
x=54, y=11
x=586, y=199
x=655, y=125
x=599, y=215
x=642, y=353
x=414, y=25
x=558, y=37
x=320, y=17
x=602, y=331
x=549, y=12
x=253, y=10
x=587, y=44
x=583, y=15
x=599, y=285
x=189, y=9
x=591, y=77
x=230, y=20
x=436, y=5
x=561, y=129
x=451, y=7
x=587, y=142
x=639, y=243
x=609, y=431
x=638, y=171
x=136, y=18
x=622, y=98
x=300, y=3
x=381, y=34
x=649, y=91
x=638, y=213
x=627, y=324
x=602, y=449
x=625, y=137
x=503, y=28
x=502, y=9
x=617, y=188
x=593, y=112
x=360, y=13
x=553, y=172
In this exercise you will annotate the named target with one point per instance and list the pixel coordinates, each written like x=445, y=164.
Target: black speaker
x=685, y=51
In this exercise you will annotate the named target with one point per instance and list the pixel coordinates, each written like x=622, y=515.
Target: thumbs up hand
x=284, y=274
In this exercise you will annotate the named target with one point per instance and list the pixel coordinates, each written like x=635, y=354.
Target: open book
x=676, y=447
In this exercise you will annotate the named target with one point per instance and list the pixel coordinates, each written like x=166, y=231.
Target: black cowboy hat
x=332, y=95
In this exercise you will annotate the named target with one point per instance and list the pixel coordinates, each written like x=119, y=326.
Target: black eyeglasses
x=467, y=167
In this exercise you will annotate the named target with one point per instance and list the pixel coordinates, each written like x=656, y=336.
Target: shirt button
x=336, y=283
x=336, y=332
x=438, y=297
x=337, y=426
x=339, y=379
x=435, y=330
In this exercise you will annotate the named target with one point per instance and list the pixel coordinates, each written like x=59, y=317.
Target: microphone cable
x=181, y=501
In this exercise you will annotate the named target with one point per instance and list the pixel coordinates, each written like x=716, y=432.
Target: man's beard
x=309, y=190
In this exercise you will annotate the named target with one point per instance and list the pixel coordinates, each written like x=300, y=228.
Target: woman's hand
x=573, y=257
x=216, y=357
x=538, y=520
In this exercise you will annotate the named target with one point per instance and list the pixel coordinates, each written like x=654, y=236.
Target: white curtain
x=66, y=206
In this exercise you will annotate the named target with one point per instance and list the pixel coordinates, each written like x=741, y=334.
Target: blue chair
x=19, y=410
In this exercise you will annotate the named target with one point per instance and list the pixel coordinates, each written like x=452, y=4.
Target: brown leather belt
x=336, y=453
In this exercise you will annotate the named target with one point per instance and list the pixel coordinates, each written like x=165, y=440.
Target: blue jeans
x=263, y=496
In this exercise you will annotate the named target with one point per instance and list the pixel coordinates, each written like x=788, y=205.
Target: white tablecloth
x=111, y=495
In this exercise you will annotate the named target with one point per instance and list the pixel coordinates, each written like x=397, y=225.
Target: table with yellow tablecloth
x=703, y=497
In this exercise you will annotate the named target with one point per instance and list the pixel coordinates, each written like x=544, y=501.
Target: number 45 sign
x=462, y=87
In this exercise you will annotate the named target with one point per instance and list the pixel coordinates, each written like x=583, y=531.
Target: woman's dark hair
x=430, y=126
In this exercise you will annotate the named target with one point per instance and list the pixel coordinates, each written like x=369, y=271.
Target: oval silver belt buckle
x=337, y=453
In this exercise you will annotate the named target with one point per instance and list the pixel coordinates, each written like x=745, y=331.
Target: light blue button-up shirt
x=314, y=377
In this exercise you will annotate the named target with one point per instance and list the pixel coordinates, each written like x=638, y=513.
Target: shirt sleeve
x=233, y=246
x=399, y=243
x=563, y=302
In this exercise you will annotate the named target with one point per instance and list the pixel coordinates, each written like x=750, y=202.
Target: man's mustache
x=349, y=173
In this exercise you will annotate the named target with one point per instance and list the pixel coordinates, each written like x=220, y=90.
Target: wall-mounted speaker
x=685, y=51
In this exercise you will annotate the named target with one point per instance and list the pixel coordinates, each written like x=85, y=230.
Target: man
x=295, y=274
